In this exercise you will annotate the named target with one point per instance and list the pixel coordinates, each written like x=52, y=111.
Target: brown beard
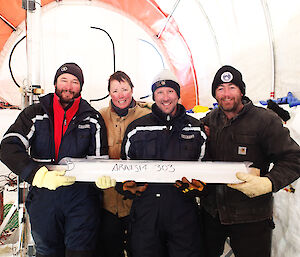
x=63, y=101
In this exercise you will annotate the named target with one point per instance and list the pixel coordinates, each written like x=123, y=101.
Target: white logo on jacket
x=86, y=126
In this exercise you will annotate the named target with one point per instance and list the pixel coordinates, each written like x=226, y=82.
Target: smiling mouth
x=227, y=100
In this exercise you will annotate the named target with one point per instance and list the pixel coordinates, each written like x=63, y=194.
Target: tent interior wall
x=260, y=41
x=193, y=38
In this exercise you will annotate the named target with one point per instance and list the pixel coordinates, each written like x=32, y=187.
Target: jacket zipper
x=65, y=119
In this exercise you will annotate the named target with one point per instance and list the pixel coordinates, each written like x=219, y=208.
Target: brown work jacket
x=116, y=126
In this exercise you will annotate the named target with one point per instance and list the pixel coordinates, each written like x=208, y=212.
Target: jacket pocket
x=80, y=140
x=190, y=146
x=146, y=146
x=245, y=147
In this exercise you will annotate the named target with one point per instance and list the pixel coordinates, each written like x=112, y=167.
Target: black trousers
x=246, y=239
x=113, y=235
x=165, y=224
x=65, y=221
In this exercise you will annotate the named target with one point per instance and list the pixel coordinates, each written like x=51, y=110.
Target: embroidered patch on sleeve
x=187, y=136
x=85, y=126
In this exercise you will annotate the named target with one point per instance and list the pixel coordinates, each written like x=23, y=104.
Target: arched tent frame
x=228, y=32
x=148, y=15
x=212, y=33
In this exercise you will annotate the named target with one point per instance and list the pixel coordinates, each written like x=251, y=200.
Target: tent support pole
x=7, y=23
x=168, y=18
x=33, y=52
x=271, y=44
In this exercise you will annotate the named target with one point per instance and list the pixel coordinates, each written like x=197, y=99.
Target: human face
x=166, y=100
x=67, y=88
x=229, y=98
x=120, y=93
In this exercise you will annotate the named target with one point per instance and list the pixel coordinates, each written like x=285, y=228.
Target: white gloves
x=253, y=185
x=51, y=179
x=105, y=182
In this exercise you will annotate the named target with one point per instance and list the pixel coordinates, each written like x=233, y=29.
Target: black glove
x=193, y=189
x=130, y=189
x=283, y=114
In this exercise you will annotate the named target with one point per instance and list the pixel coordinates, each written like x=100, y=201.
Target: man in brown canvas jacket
x=238, y=132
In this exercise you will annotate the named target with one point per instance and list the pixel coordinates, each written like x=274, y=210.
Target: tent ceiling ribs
x=8, y=23
x=168, y=18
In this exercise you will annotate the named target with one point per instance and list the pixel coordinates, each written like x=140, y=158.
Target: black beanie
x=71, y=68
x=165, y=78
x=228, y=74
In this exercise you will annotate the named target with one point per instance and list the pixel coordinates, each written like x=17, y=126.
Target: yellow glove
x=51, y=179
x=253, y=185
x=105, y=182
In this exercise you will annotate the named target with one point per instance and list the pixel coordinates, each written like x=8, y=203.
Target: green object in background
x=14, y=220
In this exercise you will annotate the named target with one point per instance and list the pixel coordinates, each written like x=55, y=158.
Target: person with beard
x=241, y=132
x=122, y=110
x=64, y=214
x=163, y=220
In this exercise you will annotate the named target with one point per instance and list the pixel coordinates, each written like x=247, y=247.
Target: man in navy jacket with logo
x=164, y=221
x=64, y=215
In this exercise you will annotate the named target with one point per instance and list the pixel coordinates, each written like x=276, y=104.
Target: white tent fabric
x=259, y=37
x=286, y=236
x=217, y=33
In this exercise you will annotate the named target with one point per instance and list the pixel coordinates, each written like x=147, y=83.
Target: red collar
x=62, y=119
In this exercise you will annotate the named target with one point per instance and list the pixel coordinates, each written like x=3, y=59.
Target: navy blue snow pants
x=165, y=223
x=64, y=222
